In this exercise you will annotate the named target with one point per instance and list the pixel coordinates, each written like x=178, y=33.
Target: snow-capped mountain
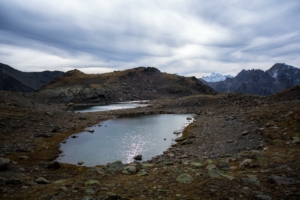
x=216, y=77
x=279, y=77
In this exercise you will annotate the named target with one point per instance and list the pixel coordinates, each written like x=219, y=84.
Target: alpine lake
x=123, y=138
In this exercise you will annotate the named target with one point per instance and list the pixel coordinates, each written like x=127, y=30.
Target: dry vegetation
x=229, y=129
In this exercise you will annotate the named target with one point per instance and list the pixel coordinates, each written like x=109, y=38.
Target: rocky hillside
x=133, y=84
x=276, y=79
x=18, y=81
x=238, y=147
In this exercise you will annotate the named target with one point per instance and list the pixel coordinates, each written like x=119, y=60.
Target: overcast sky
x=187, y=37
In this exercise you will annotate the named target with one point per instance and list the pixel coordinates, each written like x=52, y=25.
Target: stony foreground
x=239, y=147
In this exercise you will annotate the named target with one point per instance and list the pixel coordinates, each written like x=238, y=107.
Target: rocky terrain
x=18, y=81
x=142, y=83
x=239, y=147
x=278, y=78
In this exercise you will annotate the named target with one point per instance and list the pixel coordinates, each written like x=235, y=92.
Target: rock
x=162, y=191
x=91, y=182
x=168, y=163
x=61, y=195
x=115, y=166
x=197, y=165
x=283, y=180
x=138, y=157
x=180, y=139
x=213, y=171
x=147, y=165
x=246, y=163
x=252, y=179
x=114, y=196
x=44, y=135
x=245, y=133
x=256, y=155
x=48, y=113
x=56, y=129
x=209, y=161
x=4, y=163
x=80, y=163
x=87, y=198
x=42, y=180
x=89, y=191
x=129, y=170
x=295, y=140
x=185, y=142
x=177, y=132
x=23, y=157
x=184, y=178
x=53, y=165
x=223, y=165
x=171, y=155
x=14, y=181
x=62, y=181
x=183, y=156
x=263, y=197
x=82, y=118
x=142, y=173
x=89, y=130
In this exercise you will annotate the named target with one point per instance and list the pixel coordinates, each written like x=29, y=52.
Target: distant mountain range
x=279, y=77
x=17, y=81
x=144, y=83
x=215, y=77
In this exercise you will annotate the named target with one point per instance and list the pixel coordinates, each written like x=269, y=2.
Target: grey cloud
x=129, y=33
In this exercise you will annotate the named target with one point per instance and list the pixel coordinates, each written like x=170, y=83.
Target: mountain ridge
x=258, y=82
x=141, y=83
x=17, y=81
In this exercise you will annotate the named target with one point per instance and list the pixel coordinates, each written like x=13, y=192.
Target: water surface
x=123, y=138
x=116, y=106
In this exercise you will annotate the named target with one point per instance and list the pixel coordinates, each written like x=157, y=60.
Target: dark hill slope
x=134, y=84
x=18, y=81
x=277, y=78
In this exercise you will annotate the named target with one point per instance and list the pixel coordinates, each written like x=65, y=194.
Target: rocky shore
x=238, y=147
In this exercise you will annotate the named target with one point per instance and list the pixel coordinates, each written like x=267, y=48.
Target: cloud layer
x=187, y=37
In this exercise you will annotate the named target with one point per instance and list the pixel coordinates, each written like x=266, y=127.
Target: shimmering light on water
x=123, y=138
x=118, y=106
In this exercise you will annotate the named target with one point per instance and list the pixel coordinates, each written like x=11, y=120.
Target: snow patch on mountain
x=275, y=73
x=216, y=77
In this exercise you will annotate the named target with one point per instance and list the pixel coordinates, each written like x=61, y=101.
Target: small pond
x=116, y=106
x=123, y=138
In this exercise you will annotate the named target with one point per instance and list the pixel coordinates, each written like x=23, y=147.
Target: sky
x=186, y=37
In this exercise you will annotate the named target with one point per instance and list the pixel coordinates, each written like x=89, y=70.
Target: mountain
x=215, y=77
x=133, y=84
x=18, y=81
x=279, y=77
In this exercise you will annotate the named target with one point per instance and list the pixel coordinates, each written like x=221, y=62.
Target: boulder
x=184, y=178
x=92, y=182
x=4, y=163
x=42, y=180
x=129, y=170
x=115, y=166
x=246, y=163
x=180, y=139
x=186, y=142
x=283, y=180
x=53, y=165
x=138, y=157
x=197, y=165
